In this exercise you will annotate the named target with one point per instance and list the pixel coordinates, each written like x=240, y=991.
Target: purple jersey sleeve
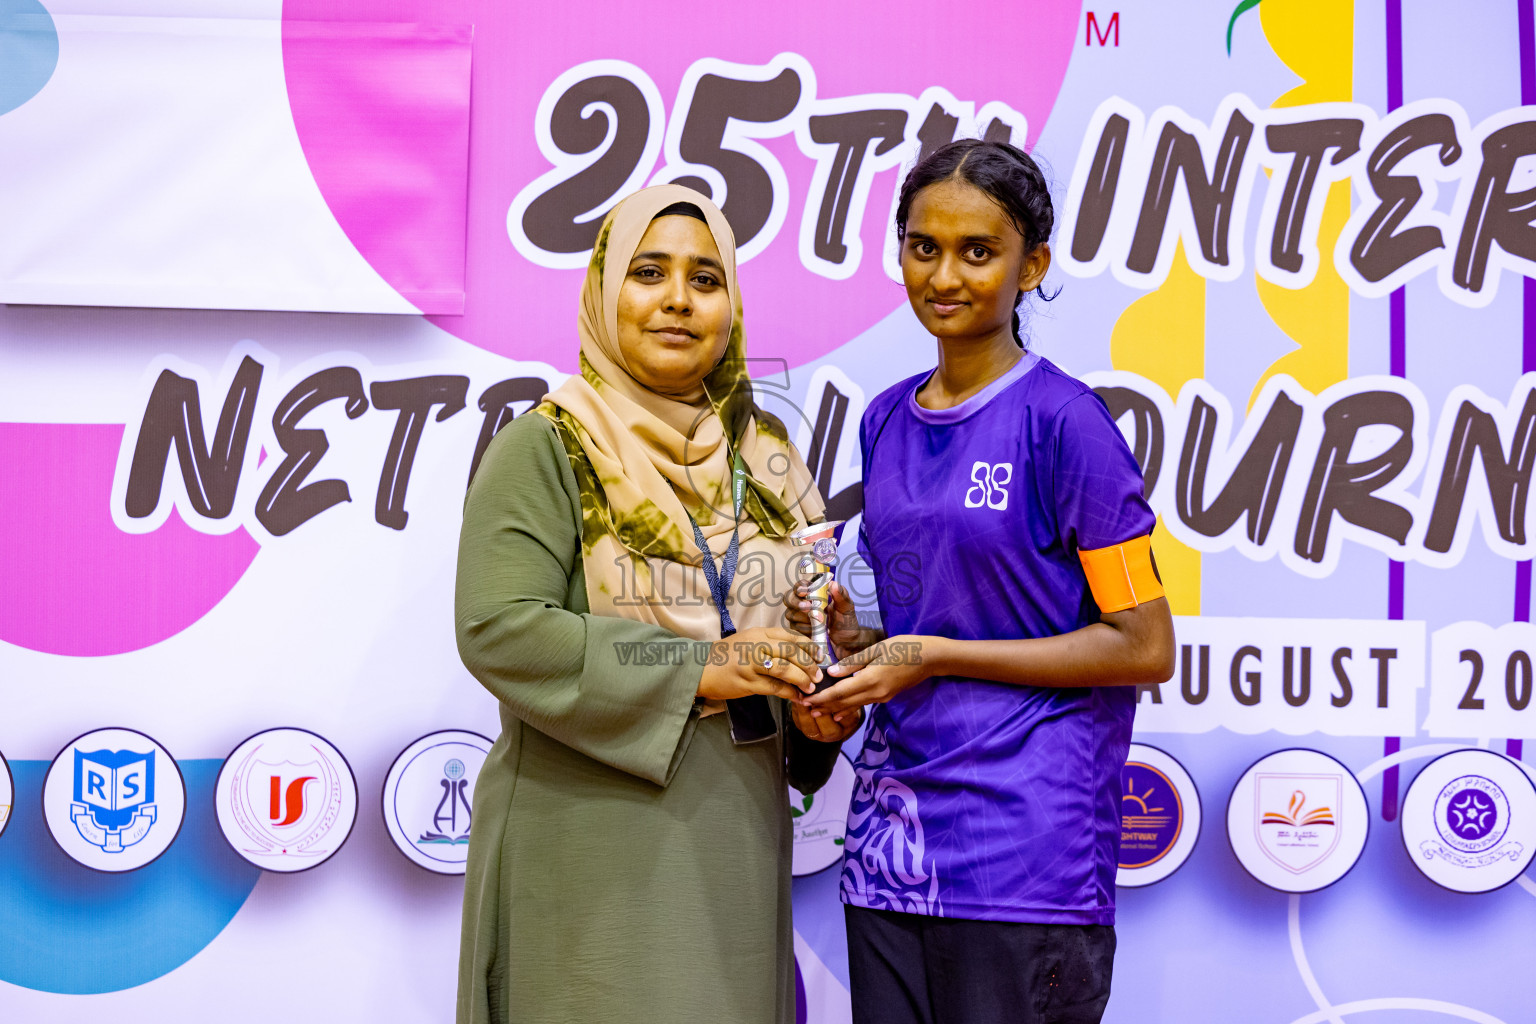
x=1097, y=484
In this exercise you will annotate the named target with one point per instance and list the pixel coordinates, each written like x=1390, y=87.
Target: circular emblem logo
x=1471, y=813
x=1469, y=820
x=429, y=796
x=7, y=793
x=820, y=819
x=286, y=800
x=1159, y=816
x=114, y=800
x=1297, y=820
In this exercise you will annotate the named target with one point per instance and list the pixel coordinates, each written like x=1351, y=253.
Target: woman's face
x=964, y=262
x=674, y=308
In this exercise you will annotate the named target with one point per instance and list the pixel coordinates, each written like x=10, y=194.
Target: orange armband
x=1122, y=576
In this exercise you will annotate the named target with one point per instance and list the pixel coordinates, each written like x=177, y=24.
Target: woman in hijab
x=630, y=854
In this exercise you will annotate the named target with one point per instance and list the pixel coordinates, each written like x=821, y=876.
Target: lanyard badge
x=751, y=718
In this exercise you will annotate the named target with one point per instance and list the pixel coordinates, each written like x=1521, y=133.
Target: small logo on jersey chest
x=991, y=480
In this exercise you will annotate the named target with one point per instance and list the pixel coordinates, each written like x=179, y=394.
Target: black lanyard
x=751, y=718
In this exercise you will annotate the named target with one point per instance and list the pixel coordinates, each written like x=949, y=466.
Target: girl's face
x=964, y=262
x=674, y=309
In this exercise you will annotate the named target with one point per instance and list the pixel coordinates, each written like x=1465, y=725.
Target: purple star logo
x=1471, y=814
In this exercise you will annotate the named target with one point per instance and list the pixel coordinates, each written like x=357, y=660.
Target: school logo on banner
x=1469, y=821
x=114, y=800
x=820, y=819
x=286, y=800
x=1297, y=820
x=1159, y=816
x=429, y=797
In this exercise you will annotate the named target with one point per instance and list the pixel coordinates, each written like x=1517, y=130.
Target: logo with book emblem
x=1297, y=820
x=114, y=800
x=449, y=828
x=1298, y=826
x=286, y=800
x=114, y=805
x=429, y=798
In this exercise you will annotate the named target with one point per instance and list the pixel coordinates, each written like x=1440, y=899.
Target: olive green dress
x=627, y=862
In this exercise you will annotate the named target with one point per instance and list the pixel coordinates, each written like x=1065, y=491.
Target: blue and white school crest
x=114, y=805
x=114, y=799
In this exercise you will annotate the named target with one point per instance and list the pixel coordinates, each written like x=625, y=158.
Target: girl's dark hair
x=682, y=210
x=1007, y=174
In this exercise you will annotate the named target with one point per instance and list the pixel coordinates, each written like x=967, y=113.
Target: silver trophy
x=815, y=566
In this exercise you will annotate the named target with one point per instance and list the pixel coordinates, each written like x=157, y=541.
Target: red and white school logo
x=286, y=800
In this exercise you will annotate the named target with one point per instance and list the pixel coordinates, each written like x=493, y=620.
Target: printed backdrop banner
x=1295, y=256
x=161, y=165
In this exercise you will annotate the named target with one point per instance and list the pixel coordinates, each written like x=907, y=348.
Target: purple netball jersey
x=977, y=799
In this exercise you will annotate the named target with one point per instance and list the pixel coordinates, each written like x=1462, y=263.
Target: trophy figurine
x=815, y=566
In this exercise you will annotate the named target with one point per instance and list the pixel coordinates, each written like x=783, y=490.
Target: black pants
x=914, y=969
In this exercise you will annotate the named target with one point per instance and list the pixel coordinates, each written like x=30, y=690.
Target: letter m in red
x=1092, y=29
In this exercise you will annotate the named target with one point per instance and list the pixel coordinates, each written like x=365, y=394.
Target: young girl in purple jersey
x=1009, y=539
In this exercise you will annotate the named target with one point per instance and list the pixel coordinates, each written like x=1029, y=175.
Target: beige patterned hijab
x=644, y=460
